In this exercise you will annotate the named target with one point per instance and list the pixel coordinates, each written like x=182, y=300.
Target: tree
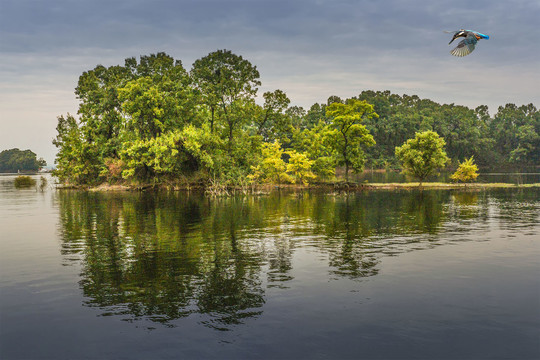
x=400, y=117
x=316, y=113
x=467, y=171
x=122, y=105
x=176, y=152
x=271, y=167
x=272, y=119
x=422, y=155
x=296, y=115
x=77, y=160
x=460, y=127
x=516, y=133
x=528, y=145
x=159, y=99
x=100, y=110
x=153, y=109
x=225, y=80
x=316, y=144
x=299, y=167
x=349, y=134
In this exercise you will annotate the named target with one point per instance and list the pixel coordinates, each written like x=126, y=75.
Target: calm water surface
x=374, y=275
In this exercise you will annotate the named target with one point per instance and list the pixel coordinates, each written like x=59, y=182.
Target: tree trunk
x=212, y=121
x=230, y=137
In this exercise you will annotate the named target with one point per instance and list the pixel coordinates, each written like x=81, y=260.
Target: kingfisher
x=465, y=46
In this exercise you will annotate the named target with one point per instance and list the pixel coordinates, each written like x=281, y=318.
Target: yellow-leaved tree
x=272, y=168
x=299, y=167
x=467, y=171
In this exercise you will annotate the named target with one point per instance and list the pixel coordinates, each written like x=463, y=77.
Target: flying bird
x=465, y=46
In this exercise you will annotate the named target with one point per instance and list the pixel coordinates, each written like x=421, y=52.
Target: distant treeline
x=152, y=121
x=15, y=160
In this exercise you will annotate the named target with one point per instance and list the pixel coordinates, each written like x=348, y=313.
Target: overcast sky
x=310, y=49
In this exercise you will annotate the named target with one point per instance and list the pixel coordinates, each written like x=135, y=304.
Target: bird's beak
x=454, y=38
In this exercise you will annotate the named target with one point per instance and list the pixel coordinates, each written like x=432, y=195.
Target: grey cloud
x=309, y=48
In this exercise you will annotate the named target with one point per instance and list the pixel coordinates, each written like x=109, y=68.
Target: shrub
x=24, y=181
x=467, y=171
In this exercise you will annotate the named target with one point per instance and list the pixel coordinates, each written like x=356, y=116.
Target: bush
x=467, y=171
x=24, y=181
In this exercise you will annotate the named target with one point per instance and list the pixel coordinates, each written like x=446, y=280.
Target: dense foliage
x=510, y=138
x=152, y=121
x=14, y=160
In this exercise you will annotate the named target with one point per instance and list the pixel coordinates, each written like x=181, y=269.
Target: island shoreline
x=267, y=188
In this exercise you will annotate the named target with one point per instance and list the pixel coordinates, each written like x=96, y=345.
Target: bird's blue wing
x=465, y=46
x=483, y=36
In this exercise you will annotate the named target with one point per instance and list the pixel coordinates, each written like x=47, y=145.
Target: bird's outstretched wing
x=465, y=46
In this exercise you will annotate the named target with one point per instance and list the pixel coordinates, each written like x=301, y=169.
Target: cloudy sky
x=310, y=49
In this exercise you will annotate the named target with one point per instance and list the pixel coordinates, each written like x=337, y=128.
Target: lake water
x=373, y=275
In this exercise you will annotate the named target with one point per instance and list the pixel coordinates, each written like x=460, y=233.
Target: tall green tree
x=272, y=119
x=78, y=160
x=400, y=117
x=316, y=143
x=516, y=133
x=315, y=114
x=227, y=81
x=528, y=145
x=160, y=98
x=154, y=108
x=100, y=110
x=296, y=115
x=461, y=129
x=350, y=136
x=422, y=155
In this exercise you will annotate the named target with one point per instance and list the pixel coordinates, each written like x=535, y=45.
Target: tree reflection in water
x=165, y=256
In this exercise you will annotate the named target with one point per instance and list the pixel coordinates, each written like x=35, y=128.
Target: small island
x=152, y=123
x=20, y=161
